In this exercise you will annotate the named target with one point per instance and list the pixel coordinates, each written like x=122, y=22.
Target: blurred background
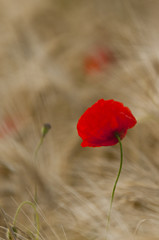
x=57, y=58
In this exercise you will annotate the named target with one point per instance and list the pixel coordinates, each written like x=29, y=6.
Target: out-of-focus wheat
x=42, y=79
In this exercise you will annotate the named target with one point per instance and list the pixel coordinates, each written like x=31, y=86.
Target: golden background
x=43, y=47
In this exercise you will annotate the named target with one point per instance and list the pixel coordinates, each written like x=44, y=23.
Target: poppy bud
x=46, y=127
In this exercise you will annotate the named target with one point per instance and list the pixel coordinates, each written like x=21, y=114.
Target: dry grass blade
x=11, y=233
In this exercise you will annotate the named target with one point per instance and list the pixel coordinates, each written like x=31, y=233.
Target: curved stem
x=36, y=215
x=116, y=181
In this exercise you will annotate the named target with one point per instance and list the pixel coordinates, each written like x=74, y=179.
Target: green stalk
x=37, y=148
x=46, y=127
x=35, y=162
x=116, y=181
x=36, y=216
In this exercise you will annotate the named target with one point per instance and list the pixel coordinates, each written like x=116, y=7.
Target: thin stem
x=36, y=215
x=35, y=162
x=46, y=127
x=36, y=187
x=116, y=181
x=37, y=148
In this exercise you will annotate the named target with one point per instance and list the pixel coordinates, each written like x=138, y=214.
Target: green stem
x=46, y=127
x=35, y=162
x=37, y=148
x=36, y=216
x=116, y=181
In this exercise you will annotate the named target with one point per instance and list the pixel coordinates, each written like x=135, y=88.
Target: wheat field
x=43, y=47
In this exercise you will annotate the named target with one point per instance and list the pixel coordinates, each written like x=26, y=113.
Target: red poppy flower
x=101, y=122
x=10, y=125
x=7, y=126
x=98, y=60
